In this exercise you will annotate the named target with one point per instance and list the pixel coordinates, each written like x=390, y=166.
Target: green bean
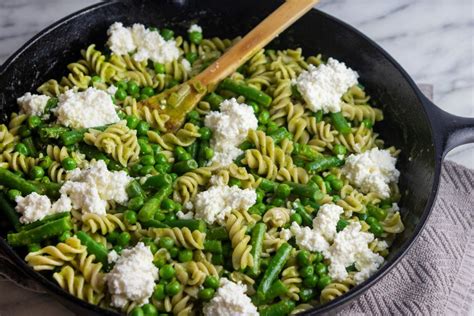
x=134, y=189
x=323, y=163
x=279, y=134
x=274, y=268
x=192, y=224
x=157, y=182
x=305, y=190
x=147, y=212
x=40, y=233
x=305, y=151
x=51, y=104
x=50, y=189
x=185, y=166
x=9, y=212
x=201, y=154
x=306, y=219
x=13, y=181
x=93, y=247
x=281, y=308
x=76, y=136
x=340, y=123
x=248, y=92
x=217, y=233
x=155, y=224
x=45, y=220
x=193, y=150
x=52, y=132
x=214, y=100
x=217, y=259
x=258, y=234
x=213, y=246
x=278, y=288
x=374, y=211
x=268, y=185
x=93, y=153
x=29, y=143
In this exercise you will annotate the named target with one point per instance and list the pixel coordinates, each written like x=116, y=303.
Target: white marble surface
x=431, y=39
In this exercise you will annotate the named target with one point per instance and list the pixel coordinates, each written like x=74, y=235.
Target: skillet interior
x=406, y=124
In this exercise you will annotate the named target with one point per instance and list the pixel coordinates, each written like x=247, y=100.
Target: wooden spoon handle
x=243, y=50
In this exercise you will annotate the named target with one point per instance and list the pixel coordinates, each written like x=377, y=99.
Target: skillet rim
x=320, y=309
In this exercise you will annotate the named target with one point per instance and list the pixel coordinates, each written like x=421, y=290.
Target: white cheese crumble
x=32, y=104
x=35, y=207
x=133, y=276
x=351, y=246
x=146, y=44
x=111, y=90
x=230, y=300
x=322, y=87
x=195, y=28
x=112, y=256
x=218, y=201
x=323, y=231
x=89, y=108
x=91, y=188
x=372, y=171
x=182, y=215
x=230, y=127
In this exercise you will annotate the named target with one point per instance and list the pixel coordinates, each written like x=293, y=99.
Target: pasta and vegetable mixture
x=274, y=195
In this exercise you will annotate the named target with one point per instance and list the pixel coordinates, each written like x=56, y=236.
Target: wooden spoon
x=181, y=99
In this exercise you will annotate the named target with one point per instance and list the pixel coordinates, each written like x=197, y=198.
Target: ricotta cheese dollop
x=144, y=43
x=195, y=28
x=230, y=300
x=35, y=207
x=372, y=171
x=230, y=127
x=89, y=189
x=132, y=277
x=89, y=108
x=322, y=87
x=32, y=104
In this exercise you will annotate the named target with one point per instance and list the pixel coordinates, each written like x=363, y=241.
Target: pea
x=161, y=159
x=147, y=160
x=112, y=237
x=135, y=169
x=135, y=203
x=320, y=268
x=341, y=224
x=64, y=236
x=167, y=34
x=122, y=84
x=159, y=262
x=295, y=217
x=195, y=37
x=159, y=292
x=303, y=258
x=24, y=131
x=205, y=132
x=264, y=117
x=120, y=94
x=211, y=282
x=306, y=295
x=174, y=252
x=260, y=195
x=339, y=149
x=255, y=107
x=45, y=162
x=21, y=149
x=272, y=127
x=328, y=186
x=149, y=310
x=234, y=181
x=368, y=123
x=191, y=57
x=45, y=179
x=159, y=216
x=166, y=242
x=208, y=153
x=96, y=79
x=36, y=172
x=165, y=168
x=132, y=121
x=324, y=280
x=335, y=198
x=306, y=271
x=137, y=311
x=282, y=191
x=371, y=220
x=13, y=194
x=193, y=115
x=311, y=281
x=121, y=114
x=170, y=217
x=206, y=294
x=168, y=204
x=34, y=121
x=376, y=229
x=69, y=163
x=318, y=257
x=142, y=128
x=142, y=97
x=159, y=68
x=148, y=91
x=123, y=239
x=130, y=217
x=362, y=216
x=181, y=154
x=118, y=249
x=278, y=202
x=34, y=247
x=173, y=288
x=153, y=248
x=337, y=184
x=146, y=170
x=167, y=272
x=185, y=255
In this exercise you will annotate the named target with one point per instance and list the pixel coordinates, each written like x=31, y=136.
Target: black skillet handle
x=449, y=130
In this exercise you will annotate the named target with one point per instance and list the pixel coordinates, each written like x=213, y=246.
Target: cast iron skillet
x=412, y=123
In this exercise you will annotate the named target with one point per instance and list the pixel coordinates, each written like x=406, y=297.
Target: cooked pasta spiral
x=276, y=217
x=7, y=140
x=183, y=137
x=104, y=224
x=19, y=162
x=182, y=237
x=186, y=186
x=76, y=285
x=241, y=256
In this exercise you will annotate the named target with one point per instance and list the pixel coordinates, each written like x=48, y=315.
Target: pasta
x=191, y=220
